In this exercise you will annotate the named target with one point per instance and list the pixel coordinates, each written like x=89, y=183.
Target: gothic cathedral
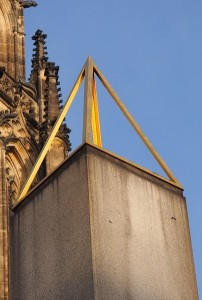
x=28, y=111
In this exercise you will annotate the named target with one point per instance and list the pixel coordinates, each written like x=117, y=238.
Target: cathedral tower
x=12, y=37
x=28, y=111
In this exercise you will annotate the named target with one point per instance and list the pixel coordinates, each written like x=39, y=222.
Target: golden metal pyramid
x=91, y=123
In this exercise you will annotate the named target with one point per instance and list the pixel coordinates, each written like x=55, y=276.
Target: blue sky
x=151, y=53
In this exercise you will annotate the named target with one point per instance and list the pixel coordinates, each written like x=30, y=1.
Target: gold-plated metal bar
x=97, y=139
x=52, y=136
x=135, y=126
x=88, y=101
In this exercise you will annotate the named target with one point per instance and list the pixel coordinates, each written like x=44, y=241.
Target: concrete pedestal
x=101, y=228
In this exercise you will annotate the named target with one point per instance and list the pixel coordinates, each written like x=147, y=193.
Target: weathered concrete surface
x=99, y=228
x=50, y=239
x=142, y=248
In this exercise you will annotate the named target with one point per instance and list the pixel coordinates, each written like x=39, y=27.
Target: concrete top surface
x=87, y=149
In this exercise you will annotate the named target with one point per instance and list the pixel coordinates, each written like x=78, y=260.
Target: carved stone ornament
x=27, y=4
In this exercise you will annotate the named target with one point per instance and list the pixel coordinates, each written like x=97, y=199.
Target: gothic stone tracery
x=28, y=111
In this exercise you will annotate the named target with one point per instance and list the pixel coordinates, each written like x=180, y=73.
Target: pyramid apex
x=89, y=60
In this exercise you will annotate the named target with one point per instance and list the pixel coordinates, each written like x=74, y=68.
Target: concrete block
x=101, y=228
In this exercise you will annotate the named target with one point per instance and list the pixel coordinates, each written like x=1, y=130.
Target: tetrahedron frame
x=91, y=124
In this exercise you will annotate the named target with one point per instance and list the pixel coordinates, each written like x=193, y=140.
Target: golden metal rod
x=135, y=125
x=97, y=139
x=88, y=100
x=52, y=136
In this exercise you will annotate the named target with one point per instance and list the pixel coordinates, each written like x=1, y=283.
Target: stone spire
x=53, y=103
x=39, y=60
x=44, y=76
